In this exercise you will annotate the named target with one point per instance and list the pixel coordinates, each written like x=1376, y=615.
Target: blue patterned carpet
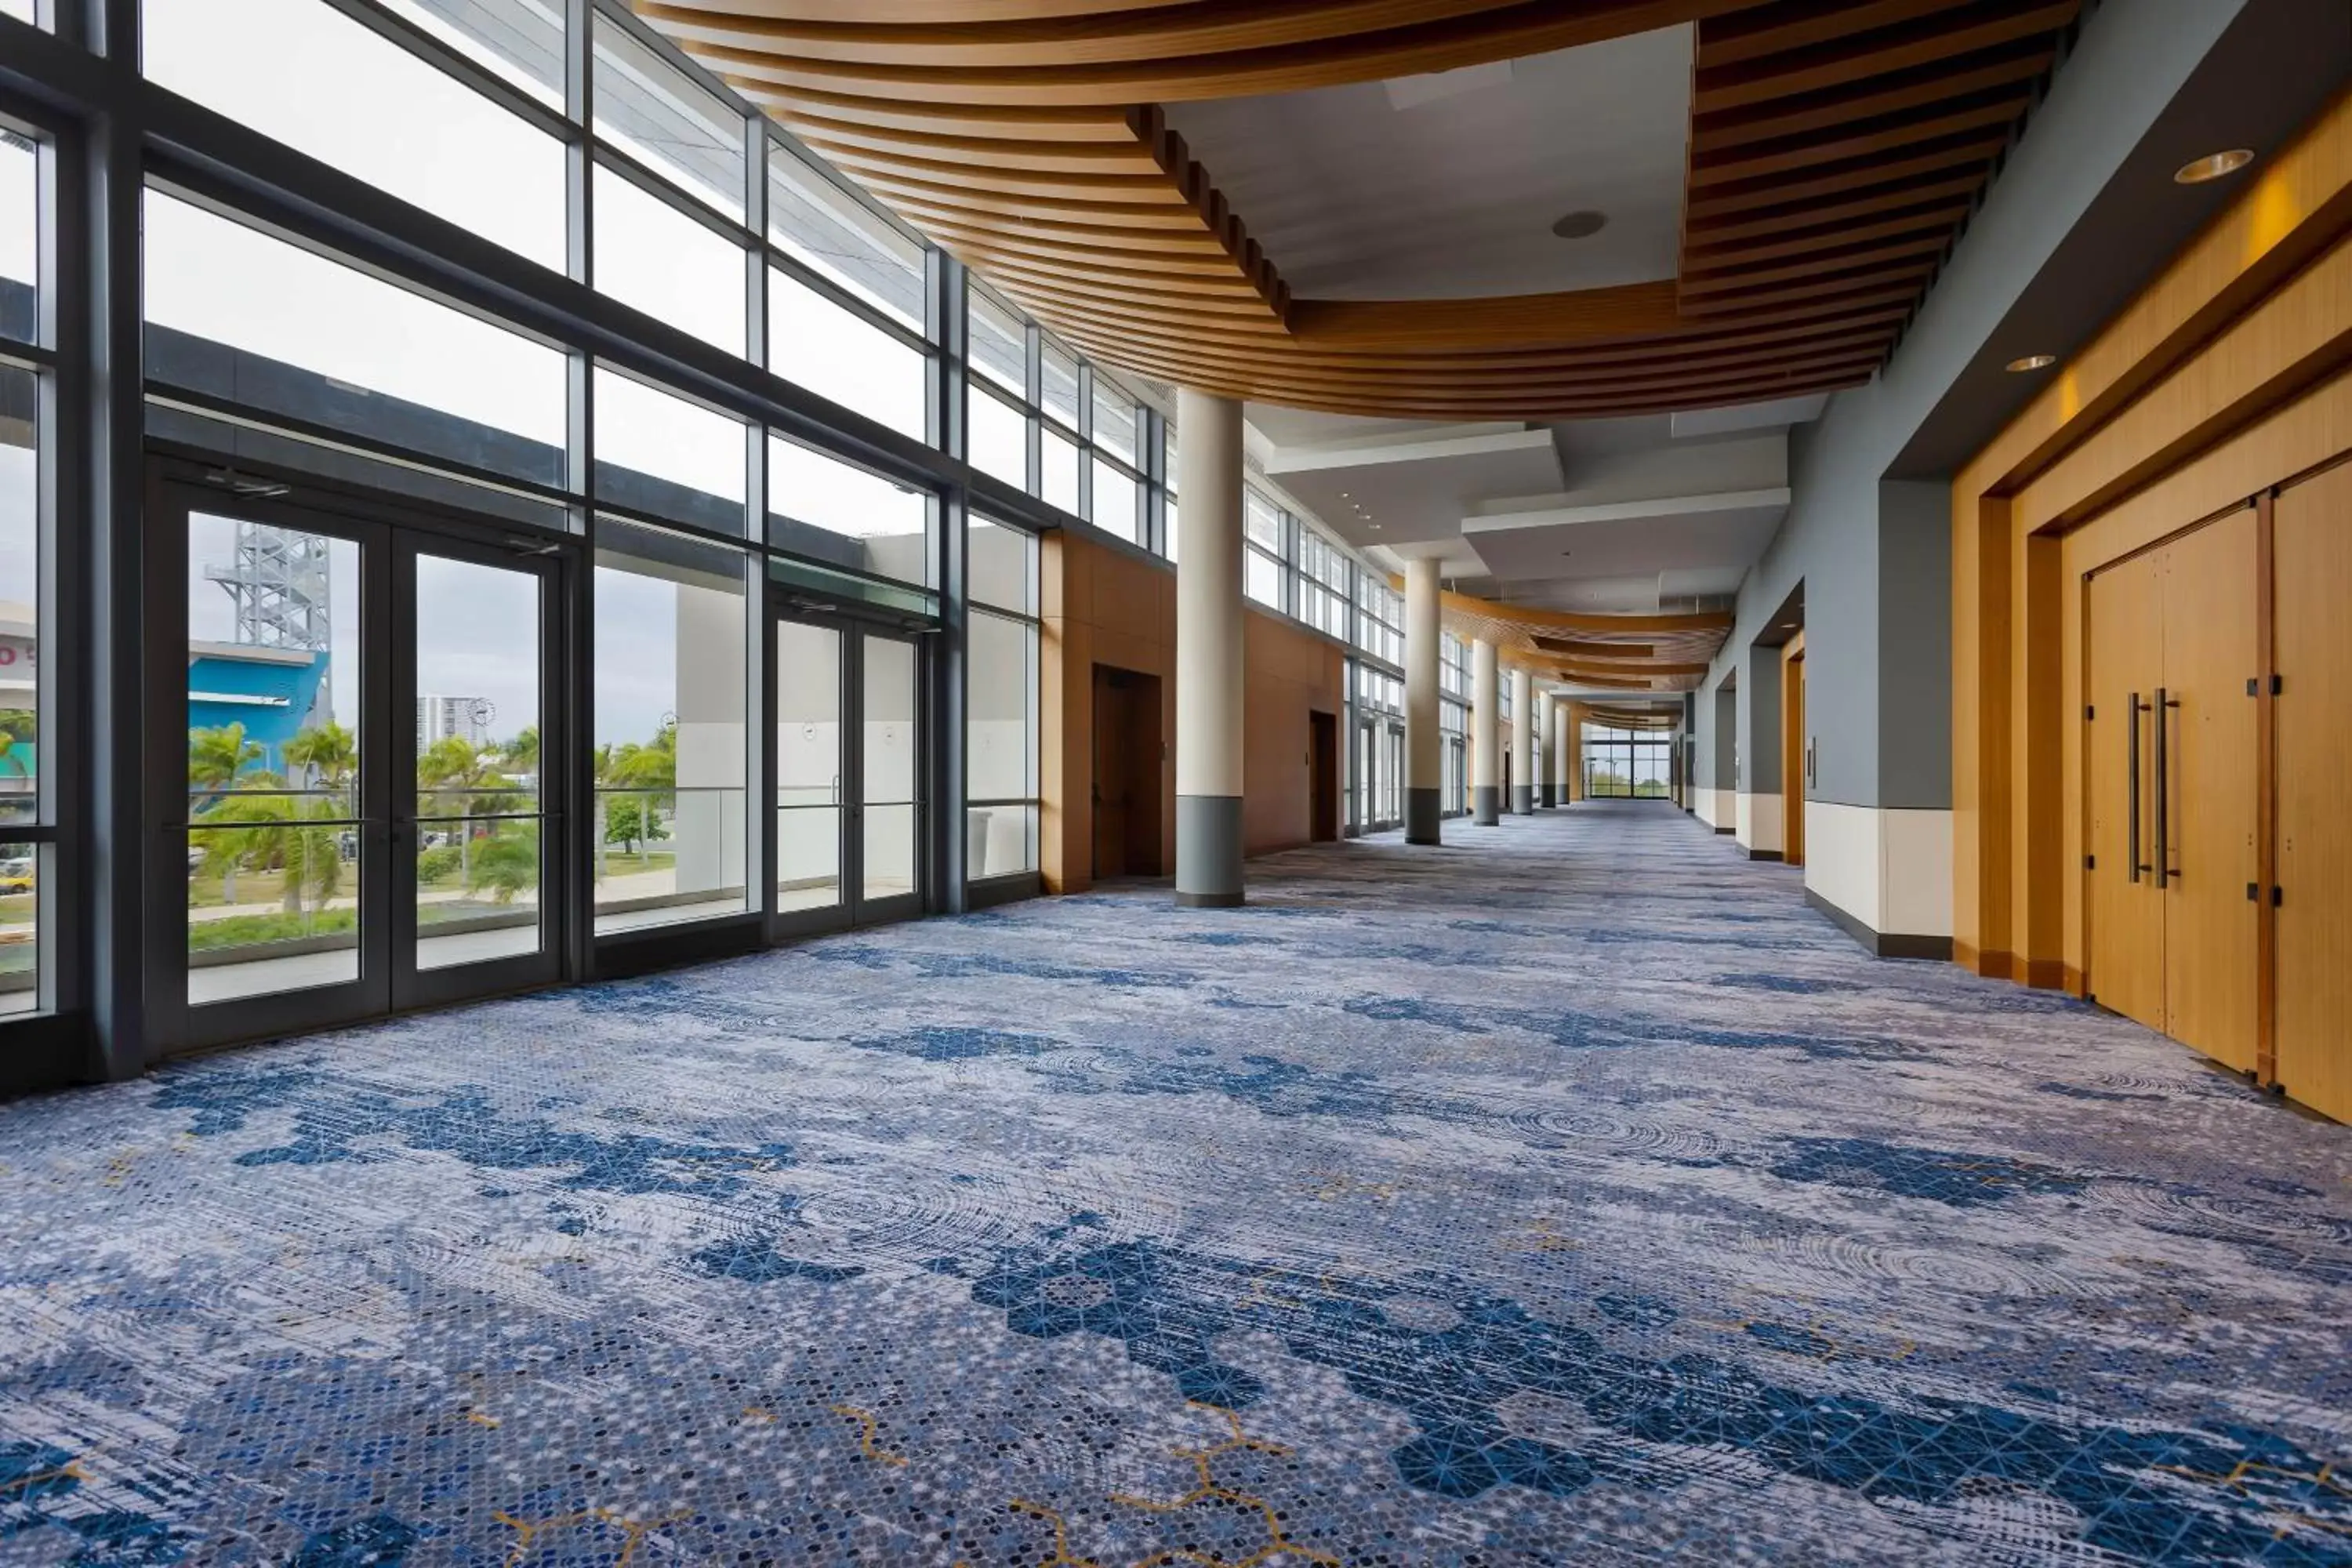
x=1573, y=1194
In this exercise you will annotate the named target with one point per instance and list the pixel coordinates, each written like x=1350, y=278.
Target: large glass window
x=302, y=71
x=1118, y=502
x=660, y=453
x=837, y=354
x=20, y=252
x=996, y=437
x=835, y=234
x=1001, y=703
x=1627, y=765
x=999, y=344
x=21, y=863
x=673, y=643
x=1058, y=457
x=1262, y=557
x=649, y=107
x=242, y=315
x=666, y=263
x=829, y=511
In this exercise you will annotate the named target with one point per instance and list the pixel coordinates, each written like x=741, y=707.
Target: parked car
x=16, y=874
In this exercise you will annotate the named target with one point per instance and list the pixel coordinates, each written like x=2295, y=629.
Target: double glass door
x=347, y=734
x=848, y=771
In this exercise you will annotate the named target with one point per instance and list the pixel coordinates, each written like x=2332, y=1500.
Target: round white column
x=1564, y=726
x=1208, y=636
x=1485, y=736
x=1545, y=784
x=1424, y=745
x=1523, y=743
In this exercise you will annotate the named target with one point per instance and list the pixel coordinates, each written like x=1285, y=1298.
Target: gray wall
x=1915, y=646
x=1874, y=559
x=1759, y=720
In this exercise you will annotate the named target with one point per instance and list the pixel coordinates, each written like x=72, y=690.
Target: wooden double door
x=2215, y=734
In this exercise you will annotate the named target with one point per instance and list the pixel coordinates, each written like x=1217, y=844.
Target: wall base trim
x=1760, y=853
x=1726, y=832
x=1883, y=944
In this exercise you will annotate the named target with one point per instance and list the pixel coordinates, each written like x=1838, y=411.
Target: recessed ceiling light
x=2033, y=362
x=1583, y=224
x=2212, y=166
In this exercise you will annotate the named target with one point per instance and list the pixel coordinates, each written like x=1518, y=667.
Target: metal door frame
x=390, y=535
x=851, y=907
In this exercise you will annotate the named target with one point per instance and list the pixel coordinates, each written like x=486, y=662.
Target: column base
x=1523, y=800
x=1486, y=806
x=1208, y=851
x=1550, y=796
x=1423, y=810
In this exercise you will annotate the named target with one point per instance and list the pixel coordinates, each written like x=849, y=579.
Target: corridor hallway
x=1570, y=1194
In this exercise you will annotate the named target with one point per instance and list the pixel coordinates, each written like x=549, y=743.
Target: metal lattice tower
x=279, y=581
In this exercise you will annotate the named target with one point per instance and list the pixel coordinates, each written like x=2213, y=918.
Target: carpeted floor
x=1571, y=1195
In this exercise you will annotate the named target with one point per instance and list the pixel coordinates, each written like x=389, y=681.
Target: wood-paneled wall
x=2228, y=375
x=1104, y=606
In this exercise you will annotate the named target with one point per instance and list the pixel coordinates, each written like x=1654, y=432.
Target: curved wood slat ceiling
x=1663, y=653
x=1835, y=146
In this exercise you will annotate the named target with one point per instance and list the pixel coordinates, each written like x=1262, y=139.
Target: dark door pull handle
x=2164, y=872
x=2131, y=730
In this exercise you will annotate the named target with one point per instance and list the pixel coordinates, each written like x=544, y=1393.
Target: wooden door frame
x=1793, y=785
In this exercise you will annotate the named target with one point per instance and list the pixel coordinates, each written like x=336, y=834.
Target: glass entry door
x=848, y=769
x=349, y=721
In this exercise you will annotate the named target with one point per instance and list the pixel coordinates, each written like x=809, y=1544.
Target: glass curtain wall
x=1001, y=702
x=1051, y=423
x=529, y=271
x=1628, y=765
x=1453, y=720
x=27, y=366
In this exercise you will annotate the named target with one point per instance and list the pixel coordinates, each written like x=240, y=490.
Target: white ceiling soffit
x=1628, y=554
x=1448, y=186
x=1405, y=490
x=1776, y=415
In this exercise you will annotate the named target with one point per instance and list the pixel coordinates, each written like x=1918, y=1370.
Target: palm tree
x=265, y=826
x=508, y=865
x=216, y=756
x=331, y=753
x=450, y=766
x=647, y=770
x=522, y=754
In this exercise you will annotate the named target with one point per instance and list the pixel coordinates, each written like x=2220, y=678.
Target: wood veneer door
x=2211, y=791
x=2314, y=640
x=2125, y=638
x=1793, y=782
x=1114, y=744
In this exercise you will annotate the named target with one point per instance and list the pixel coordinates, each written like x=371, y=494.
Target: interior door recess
x=2174, y=777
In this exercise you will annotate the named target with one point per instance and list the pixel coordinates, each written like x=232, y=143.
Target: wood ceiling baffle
x=1835, y=147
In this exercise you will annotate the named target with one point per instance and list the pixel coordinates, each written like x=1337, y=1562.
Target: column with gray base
x=1209, y=733
x=1563, y=729
x=1485, y=737
x=1523, y=744
x=1424, y=746
x=1546, y=786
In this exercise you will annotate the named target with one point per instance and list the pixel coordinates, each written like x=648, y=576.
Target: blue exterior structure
x=272, y=691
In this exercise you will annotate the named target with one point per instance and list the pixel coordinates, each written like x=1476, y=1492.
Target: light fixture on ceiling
x=2033, y=361
x=1582, y=224
x=2212, y=166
